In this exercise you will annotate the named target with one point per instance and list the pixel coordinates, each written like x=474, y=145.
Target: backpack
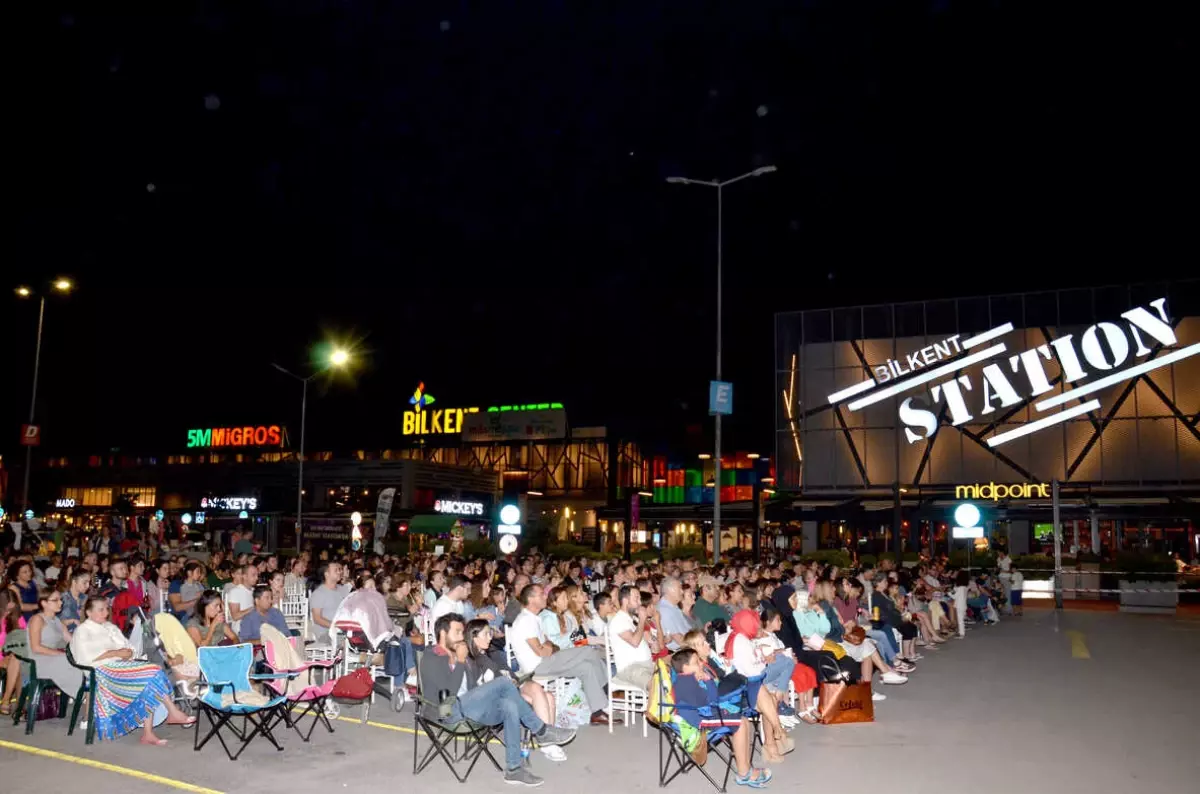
x=660, y=708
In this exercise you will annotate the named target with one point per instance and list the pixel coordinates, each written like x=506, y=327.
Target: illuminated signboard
x=458, y=508
x=229, y=503
x=1104, y=355
x=996, y=492
x=425, y=421
x=495, y=409
x=249, y=436
x=64, y=502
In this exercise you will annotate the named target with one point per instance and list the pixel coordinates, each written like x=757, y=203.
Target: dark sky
x=475, y=192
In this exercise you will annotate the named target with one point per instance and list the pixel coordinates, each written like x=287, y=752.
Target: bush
x=984, y=559
x=563, y=551
x=828, y=557
x=1133, y=561
x=1033, y=563
x=696, y=552
x=867, y=559
x=479, y=548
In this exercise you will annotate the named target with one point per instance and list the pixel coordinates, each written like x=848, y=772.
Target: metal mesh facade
x=1144, y=430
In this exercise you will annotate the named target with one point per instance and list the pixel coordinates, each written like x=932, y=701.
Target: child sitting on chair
x=695, y=689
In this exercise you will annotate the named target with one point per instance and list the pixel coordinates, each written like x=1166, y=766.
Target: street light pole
x=37, y=360
x=337, y=358
x=63, y=285
x=720, y=186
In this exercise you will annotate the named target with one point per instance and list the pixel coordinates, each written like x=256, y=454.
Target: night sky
x=474, y=193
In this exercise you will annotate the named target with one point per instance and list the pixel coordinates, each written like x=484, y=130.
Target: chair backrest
x=175, y=639
x=225, y=663
x=661, y=705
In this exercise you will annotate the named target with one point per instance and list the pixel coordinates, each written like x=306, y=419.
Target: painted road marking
x=120, y=770
x=386, y=726
x=1079, y=649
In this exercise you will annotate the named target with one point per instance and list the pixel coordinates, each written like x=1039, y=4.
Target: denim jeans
x=885, y=643
x=779, y=673
x=499, y=702
x=398, y=658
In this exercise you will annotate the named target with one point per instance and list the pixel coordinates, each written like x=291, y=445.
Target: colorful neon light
x=495, y=409
x=249, y=436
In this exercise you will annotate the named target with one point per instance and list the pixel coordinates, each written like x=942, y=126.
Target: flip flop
x=186, y=723
x=755, y=778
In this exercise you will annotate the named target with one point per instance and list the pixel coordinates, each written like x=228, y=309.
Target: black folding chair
x=457, y=743
x=17, y=644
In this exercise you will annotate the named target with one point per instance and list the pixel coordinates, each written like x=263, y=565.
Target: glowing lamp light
x=243, y=514
x=356, y=518
x=186, y=518
x=966, y=515
x=338, y=357
x=510, y=514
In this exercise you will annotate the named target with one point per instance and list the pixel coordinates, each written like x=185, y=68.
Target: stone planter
x=1084, y=577
x=1148, y=603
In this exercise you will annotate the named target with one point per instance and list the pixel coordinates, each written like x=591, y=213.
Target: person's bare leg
x=776, y=741
x=536, y=697
x=741, y=748
x=12, y=667
x=148, y=735
x=880, y=664
x=865, y=669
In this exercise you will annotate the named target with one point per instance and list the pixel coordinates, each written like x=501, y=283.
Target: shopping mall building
x=443, y=464
x=890, y=415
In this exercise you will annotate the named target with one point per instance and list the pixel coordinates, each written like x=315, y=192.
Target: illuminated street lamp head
x=338, y=357
x=24, y=292
x=63, y=285
x=766, y=169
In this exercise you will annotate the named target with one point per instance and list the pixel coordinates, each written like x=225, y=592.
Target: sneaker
x=522, y=777
x=878, y=696
x=552, y=735
x=554, y=753
x=894, y=678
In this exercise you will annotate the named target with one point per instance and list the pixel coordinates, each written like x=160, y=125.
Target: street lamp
x=338, y=357
x=63, y=285
x=720, y=186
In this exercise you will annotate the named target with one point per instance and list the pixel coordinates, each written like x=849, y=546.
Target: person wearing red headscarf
x=747, y=658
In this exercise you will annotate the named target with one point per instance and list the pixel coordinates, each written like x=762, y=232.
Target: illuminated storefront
x=993, y=398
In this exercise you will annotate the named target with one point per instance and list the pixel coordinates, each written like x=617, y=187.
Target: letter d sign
x=31, y=435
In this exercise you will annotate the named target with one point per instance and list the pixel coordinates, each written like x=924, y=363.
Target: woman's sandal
x=755, y=778
x=187, y=722
x=6, y=708
x=810, y=716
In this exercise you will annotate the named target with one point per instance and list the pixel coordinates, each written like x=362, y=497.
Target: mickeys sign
x=1104, y=355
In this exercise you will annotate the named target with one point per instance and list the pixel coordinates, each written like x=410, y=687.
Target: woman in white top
x=558, y=622
x=129, y=693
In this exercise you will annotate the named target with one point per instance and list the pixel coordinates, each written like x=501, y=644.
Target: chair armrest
x=272, y=676
x=219, y=684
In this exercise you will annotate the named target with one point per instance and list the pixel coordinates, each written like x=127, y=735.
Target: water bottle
x=445, y=705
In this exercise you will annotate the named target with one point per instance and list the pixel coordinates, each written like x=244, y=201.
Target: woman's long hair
x=474, y=629
x=206, y=598
x=9, y=619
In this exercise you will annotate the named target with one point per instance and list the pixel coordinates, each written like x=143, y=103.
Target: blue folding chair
x=226, y=671
x=674, y=759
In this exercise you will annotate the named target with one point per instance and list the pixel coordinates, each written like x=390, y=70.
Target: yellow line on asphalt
x=1079, y=649
x=386, y=726
x=120, y=770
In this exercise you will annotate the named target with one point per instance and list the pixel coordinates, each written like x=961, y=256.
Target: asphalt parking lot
x=1068, y=702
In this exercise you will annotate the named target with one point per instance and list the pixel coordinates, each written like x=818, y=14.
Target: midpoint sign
x=1002, y=491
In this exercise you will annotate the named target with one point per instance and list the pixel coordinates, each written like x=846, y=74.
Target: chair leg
x=79, y=696
x=90, y=736
x=31, y=706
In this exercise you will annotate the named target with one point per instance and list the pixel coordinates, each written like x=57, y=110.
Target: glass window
x=90, y=497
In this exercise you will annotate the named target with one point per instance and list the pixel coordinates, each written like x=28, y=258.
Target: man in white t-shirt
x=454, y=599
x=627, y=633
x=239, y=597
x=537, y=654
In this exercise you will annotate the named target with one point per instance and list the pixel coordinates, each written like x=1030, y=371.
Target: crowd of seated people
x=504, y=628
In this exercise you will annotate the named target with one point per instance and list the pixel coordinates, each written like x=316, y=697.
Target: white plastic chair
x=632, y=700
x=555, y=685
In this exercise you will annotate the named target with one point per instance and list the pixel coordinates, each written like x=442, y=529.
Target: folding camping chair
x=676, y=737
x=226, y=670
x=456, y=743
x=314, y=697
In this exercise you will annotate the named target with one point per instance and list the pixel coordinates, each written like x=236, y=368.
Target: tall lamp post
x=337, y=358
x=720, y=186
x=63, y=285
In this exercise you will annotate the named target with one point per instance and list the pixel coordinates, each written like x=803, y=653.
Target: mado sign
x=1105, y=354
x=458, y=508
